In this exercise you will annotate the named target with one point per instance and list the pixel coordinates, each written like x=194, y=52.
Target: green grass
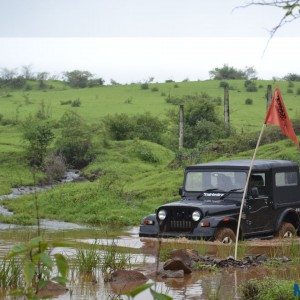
x=131, y=184
x=100, y=101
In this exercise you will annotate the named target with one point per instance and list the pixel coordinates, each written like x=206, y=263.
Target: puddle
x=142, y=255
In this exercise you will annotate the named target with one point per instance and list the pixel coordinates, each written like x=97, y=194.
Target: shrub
x=268, y=289
x=144, y=153
x=54, y=167
x=291, y=84
x=249, y=101
x=174, y=100
x=169, y=81
x=298, y=91
x=128, y=100
x=145, y=86
x=75, y=140
x=155, y=89
x=176, y=86
x=96, y=82
x=217, y=101
x=260, y=86
x=37, y=134
x=289, y=91
x=144, y=126
x=66, y=102
x=250, y=86
x=76, y=103
x=163, y=94
x=224, y=84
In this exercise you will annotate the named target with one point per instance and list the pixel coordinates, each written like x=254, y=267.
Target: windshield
x=199, y=181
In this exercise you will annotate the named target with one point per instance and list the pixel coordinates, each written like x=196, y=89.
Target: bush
x=268, y=289
x=176, y=86
x=250, y=86
x=55, y=167
x=155, y=89
x=289, y=91
x=291, y=84
x=75, y=140
x=128, y=100
x=67, y=102
x=249, y=101
x=298, y=91
x=224, y=84
x=260, y=86
x=145, y=86
x=163, y=94
x=37, y=134
x=218, y=101
x=144, y=153
x=174, y=100
x=169, y=81
x=76, y=103
x=144, y=127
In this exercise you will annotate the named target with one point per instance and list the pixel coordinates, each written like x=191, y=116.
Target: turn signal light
x=205, y=223
x=148, y=222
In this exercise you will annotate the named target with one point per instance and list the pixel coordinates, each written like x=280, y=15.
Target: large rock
x=187, y=256
x=171, y=274
x=124, y=281
x=52, y=289
x=176, y=265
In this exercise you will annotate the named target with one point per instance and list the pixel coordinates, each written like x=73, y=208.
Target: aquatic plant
x=10, y=273
x=267, y=289
x=37, y=265
x=87, y=260
x=113, y=259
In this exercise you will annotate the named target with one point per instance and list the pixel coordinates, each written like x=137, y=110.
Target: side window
x=258, y=180
x=286, y=179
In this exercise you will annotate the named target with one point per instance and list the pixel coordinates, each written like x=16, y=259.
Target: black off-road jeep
x=211, y=199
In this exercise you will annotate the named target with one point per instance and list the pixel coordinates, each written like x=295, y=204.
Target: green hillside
x=130, y=178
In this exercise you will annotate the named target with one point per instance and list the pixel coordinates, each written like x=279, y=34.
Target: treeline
x=19, y=79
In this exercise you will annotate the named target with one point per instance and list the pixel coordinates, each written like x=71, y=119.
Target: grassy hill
x=128, y=184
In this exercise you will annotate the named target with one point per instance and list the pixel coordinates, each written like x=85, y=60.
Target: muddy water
x=142, y=254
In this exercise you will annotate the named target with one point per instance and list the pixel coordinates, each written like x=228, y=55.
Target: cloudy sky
x=131, y=40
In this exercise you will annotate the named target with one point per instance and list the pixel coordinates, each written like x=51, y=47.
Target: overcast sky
x=130, y=40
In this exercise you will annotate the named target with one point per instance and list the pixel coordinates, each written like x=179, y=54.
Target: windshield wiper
x=208, y=190
x=231, y=191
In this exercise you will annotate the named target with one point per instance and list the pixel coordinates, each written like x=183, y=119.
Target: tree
x=292, y=77
x=227, y=72
x=8, y=74
x=42, y=77
x=78, y=78
x=75, y=141
x=290, y=8
x=27, y=72
x=37, y=134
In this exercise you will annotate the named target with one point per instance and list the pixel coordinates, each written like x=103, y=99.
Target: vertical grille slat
x=180, y=219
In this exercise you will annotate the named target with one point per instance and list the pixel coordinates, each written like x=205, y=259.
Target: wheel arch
x=229, y=223
x=289, y=215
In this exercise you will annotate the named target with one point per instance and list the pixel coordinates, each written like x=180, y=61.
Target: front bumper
x=197, y=233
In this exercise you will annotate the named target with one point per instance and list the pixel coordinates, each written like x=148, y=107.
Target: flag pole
x=245, y=190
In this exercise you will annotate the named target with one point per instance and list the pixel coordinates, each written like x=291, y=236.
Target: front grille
x=179, y=219
x=180, y=224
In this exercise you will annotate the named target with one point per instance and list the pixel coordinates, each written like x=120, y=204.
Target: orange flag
x=277, y=115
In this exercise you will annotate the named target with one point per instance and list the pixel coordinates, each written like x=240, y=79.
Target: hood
x=207, y=206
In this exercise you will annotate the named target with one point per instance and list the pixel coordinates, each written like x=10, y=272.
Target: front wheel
x=286, y=230
x=225, y=235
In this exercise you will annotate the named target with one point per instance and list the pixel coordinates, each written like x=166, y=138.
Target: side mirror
x=180, y=191
x=254, y=192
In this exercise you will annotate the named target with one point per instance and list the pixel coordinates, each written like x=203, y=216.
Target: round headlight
x=162, y=214
x=196, y=215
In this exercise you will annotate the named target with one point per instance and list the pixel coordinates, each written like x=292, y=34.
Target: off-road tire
x=286, y=230
x=225, y=235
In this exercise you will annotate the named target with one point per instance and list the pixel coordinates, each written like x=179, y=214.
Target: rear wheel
x=225, y=235
x=286, y=230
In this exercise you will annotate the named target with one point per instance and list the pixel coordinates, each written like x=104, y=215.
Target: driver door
x=258, y=208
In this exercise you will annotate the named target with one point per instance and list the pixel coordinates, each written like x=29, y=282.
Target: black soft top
x=259, y=165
